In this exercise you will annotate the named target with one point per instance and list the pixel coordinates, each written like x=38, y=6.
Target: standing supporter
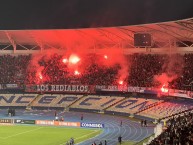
x=82, y=117
x=121, y=123
x=142, y=123
x=120, y=139
x=145, y=123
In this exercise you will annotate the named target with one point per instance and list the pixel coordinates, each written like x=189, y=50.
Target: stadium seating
x=167, y=108
x=49, y=100
x=96, y=102
x=16, y=99
x=132, y=105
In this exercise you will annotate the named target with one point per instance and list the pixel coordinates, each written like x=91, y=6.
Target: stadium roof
x=163, y=35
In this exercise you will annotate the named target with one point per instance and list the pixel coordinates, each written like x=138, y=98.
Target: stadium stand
x=14, y=68
x=179, y=131
x=16, y=99
x=55, y=101
x=151, y=108
x=132, y=105
x=168, y=108
x=96, y=102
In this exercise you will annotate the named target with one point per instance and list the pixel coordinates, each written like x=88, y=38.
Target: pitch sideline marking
x=21, y=133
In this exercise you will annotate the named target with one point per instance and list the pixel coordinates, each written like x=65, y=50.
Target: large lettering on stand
x=46, y=99
x=134, y=104
x=67, y=99
x=7, y=100
x=24, y=99
x=86, y=101
x=126, y=103
x=16, y=99
x=108, y=102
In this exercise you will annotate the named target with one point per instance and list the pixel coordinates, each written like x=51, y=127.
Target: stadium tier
x=132, y=105
x=151, y=108
x=167, y=108
x=37, y=100
x=16, y=100
x=96, y=102
x=179, y=131
x=13, y=68
x=48, y=100
x=139, y=71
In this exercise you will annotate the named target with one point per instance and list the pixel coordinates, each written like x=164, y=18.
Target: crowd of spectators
x=179, y=131
x=13, y=68
x=55, y=71
x=142, y=70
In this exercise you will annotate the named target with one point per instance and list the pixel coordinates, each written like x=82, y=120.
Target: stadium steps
x=114, y=104
x=75, y=101
x=149, y=106
x=31, y=103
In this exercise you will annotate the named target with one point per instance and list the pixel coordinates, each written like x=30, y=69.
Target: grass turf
x=43, y=135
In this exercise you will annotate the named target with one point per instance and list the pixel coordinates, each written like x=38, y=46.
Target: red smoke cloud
x=78, y=60
x=164, y=78
x=171, y=69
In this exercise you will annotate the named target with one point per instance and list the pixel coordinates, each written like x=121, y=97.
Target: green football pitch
x=43, y=135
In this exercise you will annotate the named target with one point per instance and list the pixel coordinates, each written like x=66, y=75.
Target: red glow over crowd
x=91, y=69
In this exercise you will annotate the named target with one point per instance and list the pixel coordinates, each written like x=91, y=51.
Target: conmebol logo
x=92, y=125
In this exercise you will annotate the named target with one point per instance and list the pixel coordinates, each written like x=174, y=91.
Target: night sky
x=62, y=14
